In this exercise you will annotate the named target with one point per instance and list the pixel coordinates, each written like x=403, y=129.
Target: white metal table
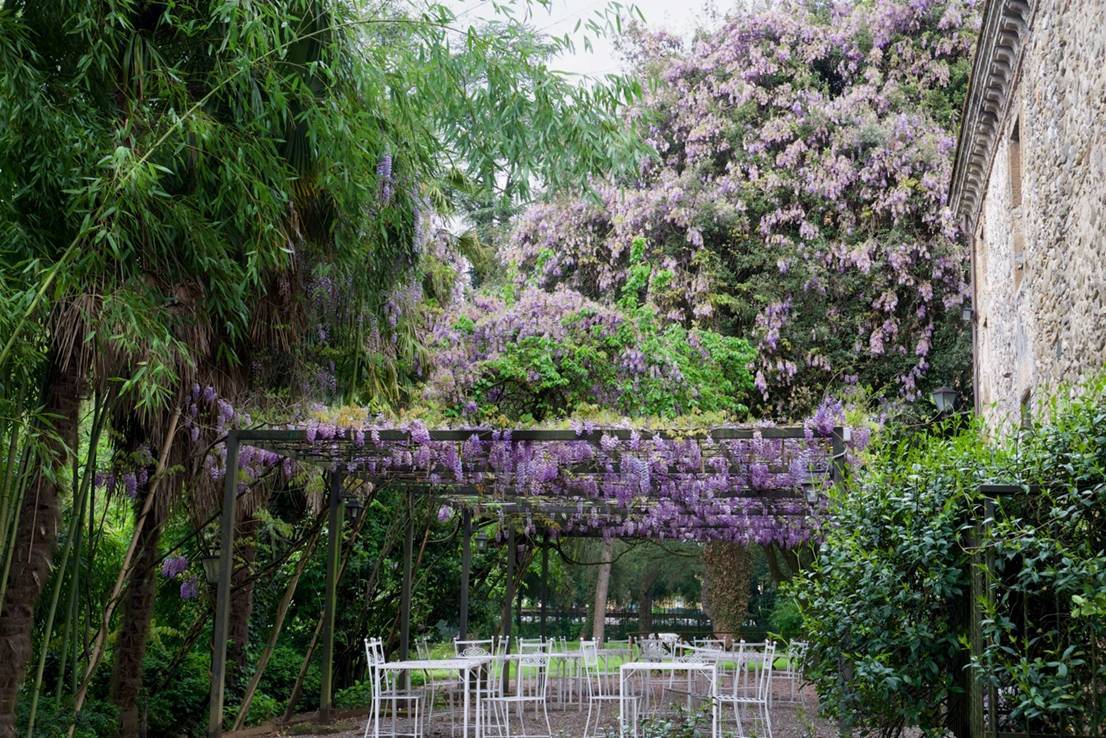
x=710, y=670
x=469, y=666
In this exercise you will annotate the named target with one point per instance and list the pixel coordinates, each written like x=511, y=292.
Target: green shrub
x=98, y=718
x=786, y=620
x=262, y=708
x=887, y=597
x=1048, y=545
x=358, y=694
x=175, y=695
x=280, y=677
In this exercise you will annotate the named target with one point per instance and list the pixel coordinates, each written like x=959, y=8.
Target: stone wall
x=1047, y=325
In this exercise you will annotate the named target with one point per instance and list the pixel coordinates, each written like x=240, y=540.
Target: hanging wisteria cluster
x=798, y=195
x=748, y=485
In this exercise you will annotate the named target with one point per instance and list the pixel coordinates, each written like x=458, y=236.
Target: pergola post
x=405, y=593
x=334, y=547
x=844, y=671
x=544, y=584
x=508, y=599
x=466, y=568
x=222, y=596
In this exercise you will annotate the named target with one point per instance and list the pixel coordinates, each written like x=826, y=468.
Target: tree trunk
x=727, y=579
x=602, y=584
x=36, y=536
x=645, y=614
x=138, y=610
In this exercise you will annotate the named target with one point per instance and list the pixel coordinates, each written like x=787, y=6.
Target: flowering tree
x=798, y=194
x=542, y=355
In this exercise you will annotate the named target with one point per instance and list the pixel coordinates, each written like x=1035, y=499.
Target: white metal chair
x=534, y=645
x=654, y=649
x=792, y=674
x=386, y=689
x=601, y=690
x=571, y=686
x=531, y=690
x=713, y=644
x=751, y=686
x=437, y=685
x=489, y=679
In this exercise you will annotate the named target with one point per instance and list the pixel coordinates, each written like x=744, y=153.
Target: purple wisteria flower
x=828, y=416
x=189, y=589
x=174, y=566
x=384, y=176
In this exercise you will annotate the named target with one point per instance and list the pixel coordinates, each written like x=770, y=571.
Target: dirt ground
x=788, y=721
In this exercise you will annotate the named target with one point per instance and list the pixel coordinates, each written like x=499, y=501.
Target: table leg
x=465, y=718
x=376, y=703
x=621, y=704
x=714, y=707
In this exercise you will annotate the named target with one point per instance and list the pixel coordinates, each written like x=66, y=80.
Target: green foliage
x=175, y=694
x=887, y=597
x=262, y=708
x=550, y=355
x=786, y=619
x=181, y=165
x=97, y=719
x=358, y=694
x=1045, y=616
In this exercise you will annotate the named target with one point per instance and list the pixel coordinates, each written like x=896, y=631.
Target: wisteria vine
x=760, y=485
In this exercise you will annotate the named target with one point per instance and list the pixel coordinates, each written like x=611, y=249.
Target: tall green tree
x=172, y=175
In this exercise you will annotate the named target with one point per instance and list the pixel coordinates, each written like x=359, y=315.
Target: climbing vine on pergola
x=762, y=485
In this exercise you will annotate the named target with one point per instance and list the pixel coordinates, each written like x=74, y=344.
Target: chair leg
x=548, y=726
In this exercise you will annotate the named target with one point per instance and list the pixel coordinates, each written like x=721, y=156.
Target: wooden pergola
x=348, y=454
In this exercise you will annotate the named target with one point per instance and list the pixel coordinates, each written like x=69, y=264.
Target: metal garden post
x=222, y=597
x=405, y=593
x=334, y=547
x=544, y=584
x=508, y=598
x=466, y=567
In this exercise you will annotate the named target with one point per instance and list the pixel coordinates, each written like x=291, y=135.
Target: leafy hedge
x=1045, y=624
x=886, y=599
x=887, y=602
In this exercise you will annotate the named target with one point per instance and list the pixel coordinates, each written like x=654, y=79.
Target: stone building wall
x=1040, y=266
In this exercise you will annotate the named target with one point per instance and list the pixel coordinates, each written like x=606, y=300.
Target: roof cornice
x=1005, y=29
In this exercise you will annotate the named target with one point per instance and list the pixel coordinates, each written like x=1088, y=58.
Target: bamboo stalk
x=82, y=484
x=113, y=600
x=76, y=532
x=5, y=490
x=282, y=610
x=13, y=524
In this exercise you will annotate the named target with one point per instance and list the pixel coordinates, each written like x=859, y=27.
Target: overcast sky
x=678, y=16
